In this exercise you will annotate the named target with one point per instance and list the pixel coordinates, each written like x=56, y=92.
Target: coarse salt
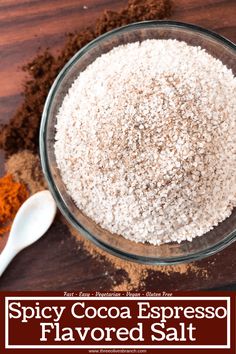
x=146, y=141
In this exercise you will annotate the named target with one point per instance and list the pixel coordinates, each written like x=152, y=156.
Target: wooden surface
x=57, y=262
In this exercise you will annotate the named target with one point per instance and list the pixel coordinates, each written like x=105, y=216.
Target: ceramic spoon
x=31, y=222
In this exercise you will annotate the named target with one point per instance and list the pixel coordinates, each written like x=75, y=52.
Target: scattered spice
x=25, y=168
x=23, y=130
x=137, y=10
x=12, y=196
x=137, y=273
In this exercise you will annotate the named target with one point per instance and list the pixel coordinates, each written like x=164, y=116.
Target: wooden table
x=56, y=262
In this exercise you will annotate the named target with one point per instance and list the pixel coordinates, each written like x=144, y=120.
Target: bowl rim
x=45, y=161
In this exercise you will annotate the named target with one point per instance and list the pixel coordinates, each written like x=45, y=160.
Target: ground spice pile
x=12, y=196
x=20, y=137
x=137, y=274
x=23, y=130
x=25, y=167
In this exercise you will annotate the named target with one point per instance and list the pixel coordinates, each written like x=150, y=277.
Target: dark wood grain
x=57, y=261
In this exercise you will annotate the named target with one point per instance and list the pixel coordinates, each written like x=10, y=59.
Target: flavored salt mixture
x=151, y=141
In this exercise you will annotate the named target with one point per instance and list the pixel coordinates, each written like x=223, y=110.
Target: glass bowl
x=169, y=253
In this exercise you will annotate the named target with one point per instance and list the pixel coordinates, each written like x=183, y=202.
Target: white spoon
x=32, y=220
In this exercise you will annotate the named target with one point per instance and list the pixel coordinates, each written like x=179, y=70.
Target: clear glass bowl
x=170, y=253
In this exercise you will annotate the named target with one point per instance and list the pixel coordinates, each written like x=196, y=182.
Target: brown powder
x=137, y=10
x=25, y=167
x=136, y=273
x=23, y=130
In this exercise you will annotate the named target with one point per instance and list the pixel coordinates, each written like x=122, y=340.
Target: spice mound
x=147, y=147
x=12, y=196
